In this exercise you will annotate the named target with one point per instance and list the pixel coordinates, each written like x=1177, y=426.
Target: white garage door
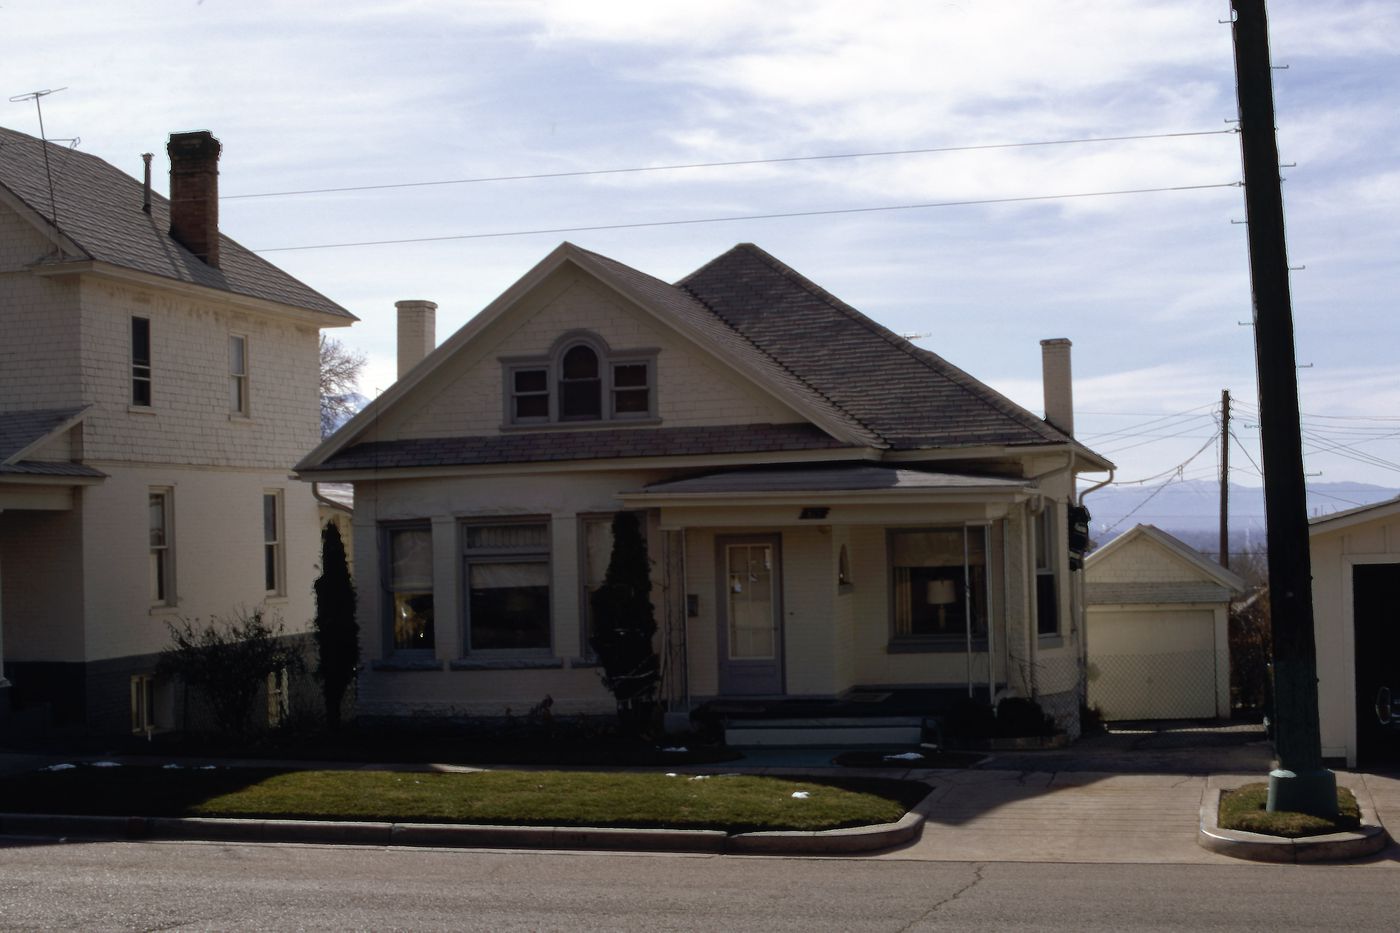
x=1152, y=664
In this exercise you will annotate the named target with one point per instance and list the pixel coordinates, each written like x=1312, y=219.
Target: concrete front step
x=840, y=731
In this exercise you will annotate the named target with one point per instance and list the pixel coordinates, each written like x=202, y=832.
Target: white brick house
x=157, y=381
x=830, y=510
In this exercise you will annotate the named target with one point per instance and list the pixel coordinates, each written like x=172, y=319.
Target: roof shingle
x=98, y=207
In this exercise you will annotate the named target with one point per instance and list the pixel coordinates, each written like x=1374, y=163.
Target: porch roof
x=23, y=432
x=850, y=478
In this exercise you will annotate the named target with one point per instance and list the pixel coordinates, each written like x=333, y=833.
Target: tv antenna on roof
x=48, y=172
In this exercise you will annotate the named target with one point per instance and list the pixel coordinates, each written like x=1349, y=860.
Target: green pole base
x=1311, y=792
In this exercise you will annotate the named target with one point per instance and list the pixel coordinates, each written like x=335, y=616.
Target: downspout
x=316, y=494
x=1006, y=594
x=1083, y=609
x=1028, y=581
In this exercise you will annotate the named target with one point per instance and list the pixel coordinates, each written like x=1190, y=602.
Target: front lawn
x=735, y=803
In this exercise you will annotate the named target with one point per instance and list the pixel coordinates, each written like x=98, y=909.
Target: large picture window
x=939, y=584
x=581, y=380
x=408, y=579
x=506, y=569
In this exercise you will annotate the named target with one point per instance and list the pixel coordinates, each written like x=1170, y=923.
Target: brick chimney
x=194, y=193
x=1059, y=389
x=417, y=337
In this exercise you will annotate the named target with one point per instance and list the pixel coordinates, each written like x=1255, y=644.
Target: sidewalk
x=1045, y=806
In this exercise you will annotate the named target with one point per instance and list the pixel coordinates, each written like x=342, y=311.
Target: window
x=408, y=579
x=595, y=555
x=507, y=581
x=162, y=563
x=141, y=361
x=581, y=380
x=939, y=580
x=843, y=568
x=273, y=563
x=580, y=388
x=238, y=374
x=1047, y=592
x=143, y=695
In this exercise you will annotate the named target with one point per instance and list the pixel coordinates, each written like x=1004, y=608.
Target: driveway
x=1155, y=747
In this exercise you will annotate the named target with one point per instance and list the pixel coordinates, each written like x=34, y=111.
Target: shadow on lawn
x=90, y=790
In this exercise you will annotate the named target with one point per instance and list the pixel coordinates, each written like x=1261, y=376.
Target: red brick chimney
x=194, y=193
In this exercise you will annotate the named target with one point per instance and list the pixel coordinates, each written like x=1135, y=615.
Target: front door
x=750, y=614
x=1376, y=592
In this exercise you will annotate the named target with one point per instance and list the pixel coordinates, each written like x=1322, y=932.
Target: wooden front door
x=1376, y=592
x=750, y=614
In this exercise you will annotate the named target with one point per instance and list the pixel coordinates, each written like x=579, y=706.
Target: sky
x=1152, y=288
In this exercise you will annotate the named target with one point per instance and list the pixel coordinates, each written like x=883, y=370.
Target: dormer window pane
x=531, y=394
x=631, y=389
x=580, y=389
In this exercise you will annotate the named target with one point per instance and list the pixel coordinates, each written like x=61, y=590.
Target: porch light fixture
x=813, y=513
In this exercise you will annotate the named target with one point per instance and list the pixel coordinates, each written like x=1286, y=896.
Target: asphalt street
x=208, y=886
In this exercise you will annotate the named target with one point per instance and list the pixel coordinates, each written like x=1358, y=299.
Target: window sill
x=578, y=663
x=601, y=423
x=240, y=419
x=935, y=645
x=505, y=664
x=844, y=588
x=276, y=599
x=165, y=609
x=1051, y=641
x=141, y=409
x=405, y=664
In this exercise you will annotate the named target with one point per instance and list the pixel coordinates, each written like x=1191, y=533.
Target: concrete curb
x=830, y=842
x=1257, y=847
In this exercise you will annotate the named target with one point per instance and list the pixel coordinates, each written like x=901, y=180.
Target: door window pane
x=751, y=602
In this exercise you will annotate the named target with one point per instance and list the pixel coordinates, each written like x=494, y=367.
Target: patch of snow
x=700, y=777
x=905, y=756
x=207, y=767
x=106, y=764
x=172, y=766
x=801, y=794
x=63, y=767
x=672, y=774
x=678, y=750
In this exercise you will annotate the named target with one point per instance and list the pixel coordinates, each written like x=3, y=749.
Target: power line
x=776, y=216
x=729, y=164
x=1176, y=469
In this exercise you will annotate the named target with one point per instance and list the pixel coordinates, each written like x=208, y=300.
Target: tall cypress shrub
x=625, y=625
x=337, y=632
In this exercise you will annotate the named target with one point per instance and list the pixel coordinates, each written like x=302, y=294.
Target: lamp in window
x=942, y=593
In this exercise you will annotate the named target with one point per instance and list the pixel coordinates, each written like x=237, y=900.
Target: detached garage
x=1356, y=619
x=1157, y=629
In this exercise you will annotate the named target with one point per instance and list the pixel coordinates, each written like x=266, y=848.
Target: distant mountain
x=1190, y=510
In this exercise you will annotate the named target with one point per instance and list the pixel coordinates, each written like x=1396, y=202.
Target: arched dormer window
x=580, y=386
x=580, y=380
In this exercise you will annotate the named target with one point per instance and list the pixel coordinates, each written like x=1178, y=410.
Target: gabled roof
x=99, y=216
x=857, y=382
x=1212, y=571
x=22, y=432
x=1350, y=518
x=912, y=398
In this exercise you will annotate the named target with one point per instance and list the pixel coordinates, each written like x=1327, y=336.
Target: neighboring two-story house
x=829, y=509
x=157, y=382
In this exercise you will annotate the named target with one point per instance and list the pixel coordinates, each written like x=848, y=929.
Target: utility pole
x=1225, y=478
x=1299, y=783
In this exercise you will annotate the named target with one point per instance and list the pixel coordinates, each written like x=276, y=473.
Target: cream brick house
x=157, y=382
x=830, y=511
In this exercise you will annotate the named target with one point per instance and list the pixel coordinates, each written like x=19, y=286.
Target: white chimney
x=1059, y=389
x=417, y=337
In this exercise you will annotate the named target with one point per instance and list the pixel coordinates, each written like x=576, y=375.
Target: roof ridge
x=930, y=360
x=745, y=337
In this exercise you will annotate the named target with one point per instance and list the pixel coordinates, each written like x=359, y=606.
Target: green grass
x=735, y=803
x=1243, y=808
